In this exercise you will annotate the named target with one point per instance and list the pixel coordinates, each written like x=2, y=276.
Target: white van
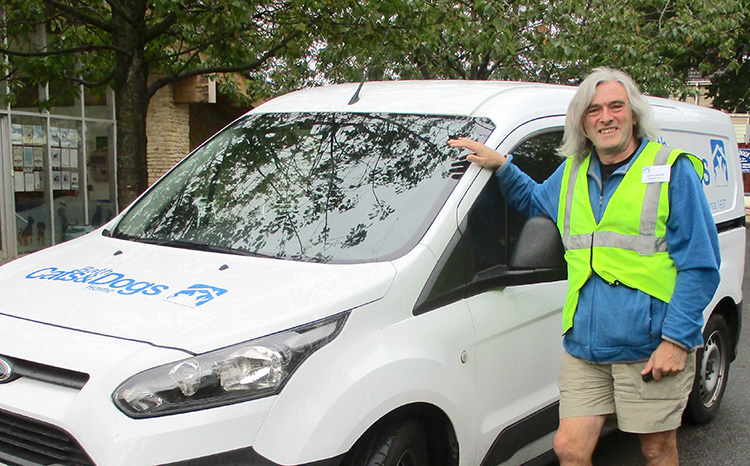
x=320, y=284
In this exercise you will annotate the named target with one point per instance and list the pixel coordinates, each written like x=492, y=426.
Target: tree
x=544, y=41
x=717, y=38
x=284, y=44
x=139, y=46
x=557, y=41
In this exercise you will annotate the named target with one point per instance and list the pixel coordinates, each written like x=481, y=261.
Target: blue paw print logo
x=718, y=153
x=196, y=295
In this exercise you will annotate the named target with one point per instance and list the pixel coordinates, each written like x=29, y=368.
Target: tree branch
x=78, y=14
x=193, y=50
x=9, y=74
x=161, y=27
x=166, y=80
x=82, y=49
x=661, y=16
x=93, y=84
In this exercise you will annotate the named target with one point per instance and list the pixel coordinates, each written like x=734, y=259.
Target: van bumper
x=247, y=457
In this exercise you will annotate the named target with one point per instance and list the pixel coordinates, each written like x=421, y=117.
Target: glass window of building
x=60, y=181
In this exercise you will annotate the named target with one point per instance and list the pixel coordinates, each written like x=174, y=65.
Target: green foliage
x=281, y=45
x=84, y=39
x=542, y=40
x=714, y=38
x=139, y=46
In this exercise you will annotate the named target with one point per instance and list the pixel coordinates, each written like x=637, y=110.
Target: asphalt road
x=723, y=442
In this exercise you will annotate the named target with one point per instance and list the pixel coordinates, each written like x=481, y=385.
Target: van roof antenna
x=355, y=97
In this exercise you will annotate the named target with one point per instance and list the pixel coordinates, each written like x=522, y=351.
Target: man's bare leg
x=660, y=448
x=576, y=439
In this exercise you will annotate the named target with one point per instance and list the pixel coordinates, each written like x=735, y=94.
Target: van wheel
x=711, y=373
x=397, y=445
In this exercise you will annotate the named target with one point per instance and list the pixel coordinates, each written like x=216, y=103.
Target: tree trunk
x=131, y=100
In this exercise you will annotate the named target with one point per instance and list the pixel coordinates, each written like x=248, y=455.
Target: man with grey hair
x=643, y=262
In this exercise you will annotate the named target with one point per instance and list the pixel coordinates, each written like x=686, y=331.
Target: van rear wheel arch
x=731, y=312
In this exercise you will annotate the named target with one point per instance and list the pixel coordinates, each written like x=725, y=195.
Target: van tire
x=711, y=372
x=401, y=444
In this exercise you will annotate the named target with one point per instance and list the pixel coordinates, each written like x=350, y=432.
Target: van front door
x=518, y=326
x=519, y=344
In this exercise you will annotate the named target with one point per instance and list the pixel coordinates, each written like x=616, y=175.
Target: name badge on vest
x=656, y=174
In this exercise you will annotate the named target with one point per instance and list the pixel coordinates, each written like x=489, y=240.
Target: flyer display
x=29, y=147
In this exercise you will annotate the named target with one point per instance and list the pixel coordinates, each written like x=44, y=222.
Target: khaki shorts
x=589, y=389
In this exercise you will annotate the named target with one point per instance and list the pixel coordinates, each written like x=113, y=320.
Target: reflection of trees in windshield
x=316, y=187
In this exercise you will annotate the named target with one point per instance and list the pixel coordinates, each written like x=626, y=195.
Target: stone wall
x=168, y=132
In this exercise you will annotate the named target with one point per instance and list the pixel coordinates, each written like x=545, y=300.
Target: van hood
x=189, y=300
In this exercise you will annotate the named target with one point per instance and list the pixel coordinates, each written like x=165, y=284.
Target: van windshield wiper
x=197, y=246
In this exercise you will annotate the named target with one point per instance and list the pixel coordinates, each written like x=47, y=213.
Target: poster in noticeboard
x=31, y=159
x=18, y=158
x=56, y=180
x=74, y=180
x=16, y=132
x=54, y=136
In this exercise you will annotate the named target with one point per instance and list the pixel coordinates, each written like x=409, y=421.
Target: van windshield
x=316, y=187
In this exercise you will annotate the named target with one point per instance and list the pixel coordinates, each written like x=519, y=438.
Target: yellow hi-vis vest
x=628, y=246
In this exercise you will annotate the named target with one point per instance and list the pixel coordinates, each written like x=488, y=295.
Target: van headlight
x=238, y=373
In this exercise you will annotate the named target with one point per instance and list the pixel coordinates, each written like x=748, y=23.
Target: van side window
x=492, y=227
x=538, y=158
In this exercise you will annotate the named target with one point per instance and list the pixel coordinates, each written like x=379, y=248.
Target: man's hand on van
x=481, y=155
x=667, y=359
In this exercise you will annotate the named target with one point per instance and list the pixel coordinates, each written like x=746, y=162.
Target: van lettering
x=69, y=276
x=122, y=283
x=100, y=279
x=106, y=280
x=40, y=273
x=155, y=290
x=134, y=288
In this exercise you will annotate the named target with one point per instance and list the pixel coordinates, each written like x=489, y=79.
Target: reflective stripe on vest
x=623, y=247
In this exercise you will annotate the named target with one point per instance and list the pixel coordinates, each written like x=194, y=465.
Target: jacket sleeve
x=526, y=195
x=693, y=244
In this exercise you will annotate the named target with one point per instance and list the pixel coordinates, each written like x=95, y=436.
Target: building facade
x=57, y=170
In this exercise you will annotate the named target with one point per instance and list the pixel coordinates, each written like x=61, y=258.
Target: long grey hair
x=575, y=142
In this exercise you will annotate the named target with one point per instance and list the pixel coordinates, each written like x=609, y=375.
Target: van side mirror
x=539, y=246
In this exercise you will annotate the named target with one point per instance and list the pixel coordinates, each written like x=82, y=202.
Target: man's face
x=609, y=122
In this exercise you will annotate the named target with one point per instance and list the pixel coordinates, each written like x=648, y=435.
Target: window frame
x=500, y=275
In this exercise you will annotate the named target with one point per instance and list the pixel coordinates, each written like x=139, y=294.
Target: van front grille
x=25, y=441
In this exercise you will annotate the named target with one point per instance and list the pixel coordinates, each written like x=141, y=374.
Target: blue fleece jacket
x=614, y=323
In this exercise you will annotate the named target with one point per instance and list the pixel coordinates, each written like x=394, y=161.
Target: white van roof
x=443, y=97
x=501, y=101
